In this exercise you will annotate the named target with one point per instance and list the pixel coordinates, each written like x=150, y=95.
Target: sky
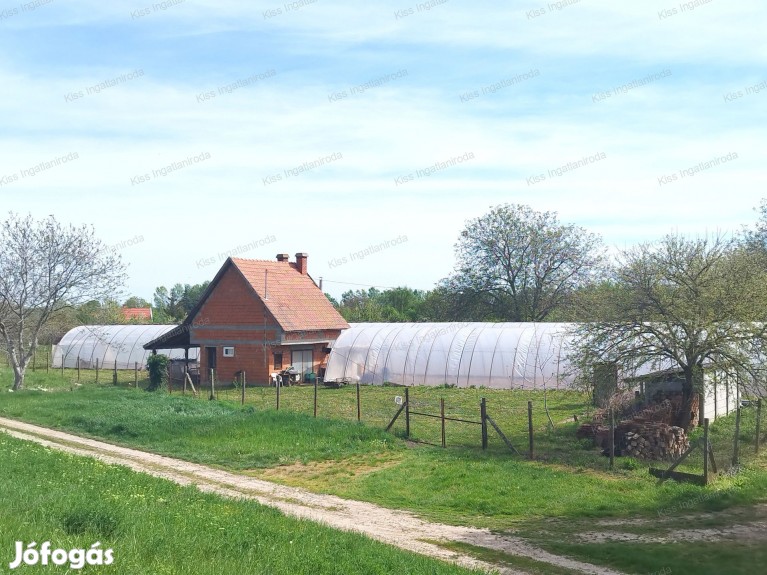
x=368, y=134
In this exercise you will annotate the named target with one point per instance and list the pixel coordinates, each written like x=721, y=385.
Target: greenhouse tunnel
x=110, y=343
x=494, y=355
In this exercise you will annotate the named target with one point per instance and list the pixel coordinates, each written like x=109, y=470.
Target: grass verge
x=155, y=526
x=459, y=486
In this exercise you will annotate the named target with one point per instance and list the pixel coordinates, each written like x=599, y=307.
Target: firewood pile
x=674, y=399
x=645, y=434
x=653, y=441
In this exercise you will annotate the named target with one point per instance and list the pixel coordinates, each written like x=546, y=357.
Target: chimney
x=282, y=257
x=301, y=262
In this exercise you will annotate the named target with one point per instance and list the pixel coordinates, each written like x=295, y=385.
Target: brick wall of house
x=233, y=316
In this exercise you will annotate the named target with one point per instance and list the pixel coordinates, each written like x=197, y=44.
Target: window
x=228, y=352
x=277, y=361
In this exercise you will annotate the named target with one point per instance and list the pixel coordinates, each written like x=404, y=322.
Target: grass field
x=548, y=500
x=154, y=526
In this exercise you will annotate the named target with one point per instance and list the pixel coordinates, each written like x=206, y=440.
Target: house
x=258, y=317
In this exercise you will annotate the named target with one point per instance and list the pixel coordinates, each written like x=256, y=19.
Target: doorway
x=211, y=357
x=302, y=361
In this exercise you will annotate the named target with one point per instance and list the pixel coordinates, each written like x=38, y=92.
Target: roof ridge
x=255, y=260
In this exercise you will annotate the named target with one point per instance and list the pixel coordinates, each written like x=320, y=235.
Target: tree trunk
x=684, y=417
x=690, y=387
x=18, y=377
x=19, y=365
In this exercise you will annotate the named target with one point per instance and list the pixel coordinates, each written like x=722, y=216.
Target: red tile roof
x=291, y=297
x=137, y=313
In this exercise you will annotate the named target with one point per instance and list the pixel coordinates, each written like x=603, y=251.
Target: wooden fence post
x=97, y=370
x=34, y=361
x=758, y=423
x=135, y=373
x=442, y=417
x=705, y=451
x=483, y=419
x=359, y=409
x=736, y=440
x=244, y=383
x=48, y=359
x=315, y=397
x=530, y=427
x=212, y=384
x=114, y=374
x=170, y=379
x=78, y=368
x=407, y=412
x=186, y=371
x=279, y=385
x=612, y=438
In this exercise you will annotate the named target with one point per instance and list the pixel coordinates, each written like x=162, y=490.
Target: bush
x=157, y=366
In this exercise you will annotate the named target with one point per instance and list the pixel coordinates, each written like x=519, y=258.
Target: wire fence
x=41, y=374
x=530, y=423
x=724, y=447
x=498, y=420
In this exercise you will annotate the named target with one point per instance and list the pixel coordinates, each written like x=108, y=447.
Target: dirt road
x=398, y=528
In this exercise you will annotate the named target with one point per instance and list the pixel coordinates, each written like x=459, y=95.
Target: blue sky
x=300, y=54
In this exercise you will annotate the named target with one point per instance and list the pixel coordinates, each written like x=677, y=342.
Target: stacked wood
x=675, y=398
x=645, y=433
x=651, y=440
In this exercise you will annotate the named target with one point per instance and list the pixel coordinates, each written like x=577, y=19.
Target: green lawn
x=569, y=482
x=155, y=526
x=458, y=485
x=211, y=432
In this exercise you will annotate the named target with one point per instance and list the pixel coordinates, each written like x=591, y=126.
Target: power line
x=361, y=285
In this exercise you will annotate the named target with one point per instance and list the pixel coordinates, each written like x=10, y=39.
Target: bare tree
x=682, y=304
x=46, y=267
x=523, y=265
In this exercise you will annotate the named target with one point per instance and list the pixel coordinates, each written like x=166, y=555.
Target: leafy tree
x=135, y=301
x=192, y=295
x=361, y=306
x=685, y=304
x=332, y=300
x=756, y=238
x=592, y=302
x=516, y=264
x=400, y=304
x=439, y=305
x=168, y=304
x=45, y=268
x=172, y=306
x=96, y=312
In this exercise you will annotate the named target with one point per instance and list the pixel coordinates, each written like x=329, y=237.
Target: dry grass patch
x=325, y=474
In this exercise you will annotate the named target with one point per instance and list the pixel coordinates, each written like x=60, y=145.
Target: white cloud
x=405, y=125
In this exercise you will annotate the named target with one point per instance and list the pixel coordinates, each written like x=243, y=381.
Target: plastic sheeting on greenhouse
x=110, y=343
x=495, y=355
